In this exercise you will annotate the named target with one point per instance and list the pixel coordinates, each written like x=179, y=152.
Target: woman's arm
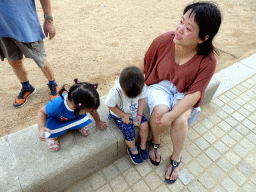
x=185, y=104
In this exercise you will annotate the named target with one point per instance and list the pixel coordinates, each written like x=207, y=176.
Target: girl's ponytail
x=83, y=94
x=62, y=90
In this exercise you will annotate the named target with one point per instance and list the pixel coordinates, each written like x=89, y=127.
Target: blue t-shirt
x=19, y=20
x=59, y=109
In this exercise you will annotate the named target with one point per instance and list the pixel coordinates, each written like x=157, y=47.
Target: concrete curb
x=28, y=165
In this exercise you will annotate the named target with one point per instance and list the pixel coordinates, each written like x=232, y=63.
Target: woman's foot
x=84, y=131
x=154, y=154
x=53, y=144
x=172, y=172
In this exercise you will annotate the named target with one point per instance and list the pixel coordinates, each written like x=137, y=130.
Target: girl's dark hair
x=84, y=94
x=208, y=17
x=131, y=81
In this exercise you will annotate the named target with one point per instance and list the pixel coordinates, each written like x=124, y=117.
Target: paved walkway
x=219, y=153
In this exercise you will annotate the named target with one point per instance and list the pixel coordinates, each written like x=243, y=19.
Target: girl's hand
x=126, y=119
x=164, y=121
x=41, y=133
x=101, y=124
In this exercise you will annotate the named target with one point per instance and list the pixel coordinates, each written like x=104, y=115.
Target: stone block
x=210, y=90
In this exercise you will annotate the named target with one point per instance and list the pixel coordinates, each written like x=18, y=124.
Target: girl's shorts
x=58, y=127
x=166, y=93
x=127, y=130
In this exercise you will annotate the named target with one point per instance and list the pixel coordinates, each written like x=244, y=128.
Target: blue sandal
x=174, y=165
x=155, y=147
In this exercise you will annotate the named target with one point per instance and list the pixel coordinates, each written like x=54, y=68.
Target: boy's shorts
x=14, y=50
x=166, y=93
x=127, y=130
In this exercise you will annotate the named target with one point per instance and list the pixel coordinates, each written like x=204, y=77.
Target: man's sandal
x=53, y=145
x=155, y=147
x=174, y=164
x=84, y=131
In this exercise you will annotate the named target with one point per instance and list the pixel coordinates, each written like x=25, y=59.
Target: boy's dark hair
x=208, y=17
x=82, y=93
x=131, y=81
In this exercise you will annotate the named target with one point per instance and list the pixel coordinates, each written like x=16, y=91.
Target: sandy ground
x=96, y=39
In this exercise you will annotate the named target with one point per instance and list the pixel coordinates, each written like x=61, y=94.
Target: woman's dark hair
x=208, y=17
x=84, y=94
x=131, y=81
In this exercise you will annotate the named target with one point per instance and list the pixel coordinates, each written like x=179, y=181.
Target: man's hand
x=49, y=29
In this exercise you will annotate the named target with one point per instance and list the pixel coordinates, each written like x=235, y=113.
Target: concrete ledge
x=211, y=90
x=26, y=164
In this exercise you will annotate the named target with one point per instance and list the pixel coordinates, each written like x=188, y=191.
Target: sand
x=96, y=39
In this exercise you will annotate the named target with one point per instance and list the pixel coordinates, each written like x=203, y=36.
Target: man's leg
x=19, y=70
x=27, y=89
x=48, y=73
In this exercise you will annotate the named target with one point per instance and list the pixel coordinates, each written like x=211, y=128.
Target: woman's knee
x=159, y=111
x=180, y=122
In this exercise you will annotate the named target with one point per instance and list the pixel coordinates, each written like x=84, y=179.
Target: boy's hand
x=101, y=124
x=138, y=120
x=126, y=119
x=41, y=133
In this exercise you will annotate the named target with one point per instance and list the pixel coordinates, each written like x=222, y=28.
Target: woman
x=178, y=67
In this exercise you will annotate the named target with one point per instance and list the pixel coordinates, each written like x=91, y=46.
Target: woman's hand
x=165, y=120
x=126, y=119
x=41, y=133
x=101, y=124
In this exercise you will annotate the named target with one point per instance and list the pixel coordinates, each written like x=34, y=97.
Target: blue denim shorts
x=127, y=130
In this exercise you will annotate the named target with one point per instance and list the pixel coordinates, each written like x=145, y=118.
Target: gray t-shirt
x=117, y=97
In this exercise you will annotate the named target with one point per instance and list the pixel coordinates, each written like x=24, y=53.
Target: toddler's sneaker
x=144, y=153
x=136, y=159
x=54, y=91
x=22, y=98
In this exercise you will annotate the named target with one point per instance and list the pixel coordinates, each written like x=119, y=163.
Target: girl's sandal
x=84, y=131
x=174, y=164
x=155, y=147
x=53, y=145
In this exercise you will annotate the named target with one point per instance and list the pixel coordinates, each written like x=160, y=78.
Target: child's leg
x=132, y=146
x=143, y=140
x=129, y=134
x=144, y=129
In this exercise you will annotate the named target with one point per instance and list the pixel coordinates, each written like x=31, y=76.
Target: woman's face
x=187, y=32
